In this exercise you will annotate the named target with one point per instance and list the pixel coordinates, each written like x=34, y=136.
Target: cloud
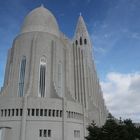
x=100, y=50
x=117, y=23
x=135, y=35
x=122, y=94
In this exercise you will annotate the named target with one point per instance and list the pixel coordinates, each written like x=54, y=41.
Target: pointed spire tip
x=42, y=5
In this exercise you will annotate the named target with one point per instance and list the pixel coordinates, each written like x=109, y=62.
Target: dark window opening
x=16, y=112
x=33, y=112
x=81, y=41
x=49, y=133
x=40, y=133
x=85, y=41
x=53, y=113
x=2, y=112
x=42, y=80
x=76, y=42
x=45, y=133
x=22, y=77
x=9, y=111
x=28, y=112
x=45, y=112
x=41, y=112
x=49, y=112
x=13, y=112
x=57, y=113
x=37, y=112
x=72, y=114
x=61, y=113
x=5, y=112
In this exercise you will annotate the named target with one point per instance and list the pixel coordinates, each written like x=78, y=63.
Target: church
x=51, y=90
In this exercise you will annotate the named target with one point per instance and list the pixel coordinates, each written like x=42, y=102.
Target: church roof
x=40, y=19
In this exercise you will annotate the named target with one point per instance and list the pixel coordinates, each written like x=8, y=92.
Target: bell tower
x=82, y=39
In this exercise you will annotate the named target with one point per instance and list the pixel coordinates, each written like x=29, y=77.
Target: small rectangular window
x=49, y=133
x=13, y=112
x=45, y=133
x=37, y=112
x=16, y=112
x=72, y=115
x=53, y=113
x=2, y=112
x=77, y=133
x=57, y=113
x=49, y=112
x=45, y=112
x=9, y=111
x=5, y=112
x=69, y=114
x=41, y=112
x=33, y=112
x=60, y=113
x=40, y=133
x=28, y=112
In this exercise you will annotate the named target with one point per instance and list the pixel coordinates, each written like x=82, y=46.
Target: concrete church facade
x=51, y=89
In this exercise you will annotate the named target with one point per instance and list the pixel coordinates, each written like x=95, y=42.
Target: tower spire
x=42, y=5
x=81, y=29
x=81, y=37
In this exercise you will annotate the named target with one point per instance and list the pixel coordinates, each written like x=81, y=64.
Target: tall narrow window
x=76, y=42
x=22, y=77
x=85, y=41
x=40, y=132
x=60, y=79
x=42, y=78
x=81, y=41
x=49, y=133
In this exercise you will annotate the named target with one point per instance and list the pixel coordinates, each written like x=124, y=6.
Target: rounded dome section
x=40, y=19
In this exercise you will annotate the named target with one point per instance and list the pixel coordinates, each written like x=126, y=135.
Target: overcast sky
x=114, y=27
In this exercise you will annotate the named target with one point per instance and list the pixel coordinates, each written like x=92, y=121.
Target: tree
x=130, y=128
x=110, y=129
x=94, y=132
x=138, y=133
x=114, y=130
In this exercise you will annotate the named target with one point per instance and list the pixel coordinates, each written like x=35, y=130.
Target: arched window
x=60, y=79
x=81, y=41
x=76, y=42
x=85, y=41
x=42, y=77
x=22, y=77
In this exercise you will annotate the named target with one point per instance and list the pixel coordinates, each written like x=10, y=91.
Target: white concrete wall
x=76, y=114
